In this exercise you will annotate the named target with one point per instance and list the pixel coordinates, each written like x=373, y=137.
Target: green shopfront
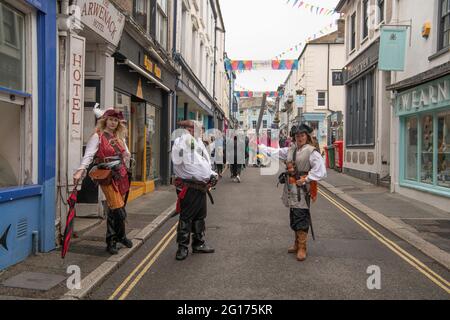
x=424, y=137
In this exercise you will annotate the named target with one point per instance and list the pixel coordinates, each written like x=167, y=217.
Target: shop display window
x=10, y=149
x=411, y=148
x=443, y=131
x=427, y=149
x=152, y=142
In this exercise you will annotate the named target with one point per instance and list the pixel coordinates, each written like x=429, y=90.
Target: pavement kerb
x=96, y=277
x=399, y=230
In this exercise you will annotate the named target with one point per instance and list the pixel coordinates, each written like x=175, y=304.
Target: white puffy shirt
x=318, y=170
x=191, y=164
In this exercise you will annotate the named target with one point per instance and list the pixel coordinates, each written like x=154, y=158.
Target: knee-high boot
x=121, y=217
x=302, y=237
x=111, y=235
x=198, y=243
x=183, y=239
x=294, y=248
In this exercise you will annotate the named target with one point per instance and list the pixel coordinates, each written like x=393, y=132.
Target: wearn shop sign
x=102, y=17
x=430, y=96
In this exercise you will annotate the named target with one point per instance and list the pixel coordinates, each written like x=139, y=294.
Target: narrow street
x=249, y=228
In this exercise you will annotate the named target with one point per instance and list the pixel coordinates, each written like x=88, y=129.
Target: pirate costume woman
x=304, y=163
x=110, y=155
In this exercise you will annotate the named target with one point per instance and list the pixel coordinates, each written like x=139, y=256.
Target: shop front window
x=443, y=131
x=123, y=104
x=137, y=136
x=411, y=148
x=152, y=142
x=12, y=48
x=10, y=148
x=427, y=149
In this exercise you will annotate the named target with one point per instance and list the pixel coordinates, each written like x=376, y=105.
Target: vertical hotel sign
x=76, y=100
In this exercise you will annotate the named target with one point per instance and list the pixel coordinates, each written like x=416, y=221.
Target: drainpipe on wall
x=61, y=136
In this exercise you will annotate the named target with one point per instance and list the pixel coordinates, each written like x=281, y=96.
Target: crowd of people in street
x=199, y=162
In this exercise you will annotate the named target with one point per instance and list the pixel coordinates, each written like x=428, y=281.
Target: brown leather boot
x=294, y=248
x=302, y=236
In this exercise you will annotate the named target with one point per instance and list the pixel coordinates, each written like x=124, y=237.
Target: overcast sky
x=263, y=29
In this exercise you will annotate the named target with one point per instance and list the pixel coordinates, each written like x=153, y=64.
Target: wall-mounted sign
x=362, y=63
x=337, y=78
x=430, y=96
x=152, y=67
x=148, y=64
x=102, y=17
x=158, y=71
x=76, y=101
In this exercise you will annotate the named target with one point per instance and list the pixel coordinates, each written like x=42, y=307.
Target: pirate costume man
x=110, y=153
x=194, y=178
x=305, y=166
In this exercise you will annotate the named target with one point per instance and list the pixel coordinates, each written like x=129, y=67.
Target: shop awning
x=144, y=73
x=186, y=90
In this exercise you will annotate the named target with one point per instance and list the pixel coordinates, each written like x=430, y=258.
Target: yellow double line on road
x=126, y=287
x=430, y=274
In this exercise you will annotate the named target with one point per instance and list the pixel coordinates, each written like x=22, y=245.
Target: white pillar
x=107, y=67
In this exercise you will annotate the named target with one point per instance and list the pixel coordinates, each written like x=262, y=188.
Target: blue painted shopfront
x=30, y=208
x=424, y=148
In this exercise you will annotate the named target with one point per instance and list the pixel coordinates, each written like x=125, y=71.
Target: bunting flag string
x=247, y=65
x=299, y=45
x=255, y=94
x=312, y=8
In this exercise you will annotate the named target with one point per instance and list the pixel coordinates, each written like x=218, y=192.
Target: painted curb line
x=96, y=277
x=429, y=249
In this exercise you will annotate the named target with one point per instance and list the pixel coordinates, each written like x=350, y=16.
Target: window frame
x=434, y=187
x=320, y=99
x=381, y=16
x=360, y=111
x=146, y=3
x=162, y=19
x=364, y=20
x=441, y=26
x=27, y=100
x=352, y=33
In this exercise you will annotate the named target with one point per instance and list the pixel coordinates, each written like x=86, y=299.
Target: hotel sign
x=76, y=101
x=102, y=17
x=430, y=96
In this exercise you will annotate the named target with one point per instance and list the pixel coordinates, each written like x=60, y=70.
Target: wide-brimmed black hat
x=303, y=128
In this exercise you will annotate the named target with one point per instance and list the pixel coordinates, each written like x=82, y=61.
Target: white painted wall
x=312, y=75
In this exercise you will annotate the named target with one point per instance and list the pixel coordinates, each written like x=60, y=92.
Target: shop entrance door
x=89, y=191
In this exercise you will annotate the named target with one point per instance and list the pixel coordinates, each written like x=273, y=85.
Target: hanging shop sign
x=430, y=96
x=76, y=101
x=338, y=79
x=392, y=49
x=102, y=17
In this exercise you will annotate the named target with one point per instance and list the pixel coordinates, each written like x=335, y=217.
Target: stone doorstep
x=398, y=229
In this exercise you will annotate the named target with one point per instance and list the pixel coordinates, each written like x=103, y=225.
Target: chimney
x=341, y=29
